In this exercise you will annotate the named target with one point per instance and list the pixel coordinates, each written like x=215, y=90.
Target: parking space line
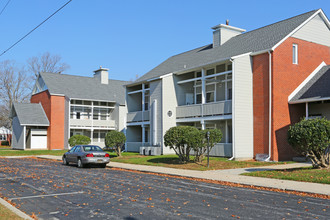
x=58, y=194
x=10, y=178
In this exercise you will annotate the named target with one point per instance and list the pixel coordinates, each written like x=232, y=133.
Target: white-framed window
x=146, y=100
x=295, y=53
x=2, y=137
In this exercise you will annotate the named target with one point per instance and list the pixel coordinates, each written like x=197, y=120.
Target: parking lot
x=51, y=190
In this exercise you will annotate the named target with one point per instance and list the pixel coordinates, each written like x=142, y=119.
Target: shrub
x=79, y=140
x=182, y=139
x=311, y=137
x=201, y=148
x=115, y=140
x=4, y=143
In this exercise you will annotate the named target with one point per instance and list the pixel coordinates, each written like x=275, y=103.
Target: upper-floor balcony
x=139, y=116
x=89, y=123
x=203, y=110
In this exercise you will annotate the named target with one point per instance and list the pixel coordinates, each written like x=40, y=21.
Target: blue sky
x=130, y=37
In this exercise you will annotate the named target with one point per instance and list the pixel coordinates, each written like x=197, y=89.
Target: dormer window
x=294, y=53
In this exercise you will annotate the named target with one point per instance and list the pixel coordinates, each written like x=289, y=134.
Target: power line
x=5, y=7
x=35, y=28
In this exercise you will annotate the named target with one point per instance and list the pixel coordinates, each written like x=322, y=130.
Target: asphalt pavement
x=51, y=190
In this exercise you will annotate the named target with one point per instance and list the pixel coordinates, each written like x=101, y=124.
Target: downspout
x=233, y=110
x=270, y=109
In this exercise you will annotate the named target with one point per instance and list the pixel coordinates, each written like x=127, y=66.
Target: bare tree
x=46, y=63
x=15, y=86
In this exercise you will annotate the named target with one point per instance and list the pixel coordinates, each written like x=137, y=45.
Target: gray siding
x=18, y=134
x=169, y=104
x=243, y=107
x=315, y=31
x=156, y=94
x=122, y=110
x=322, y=109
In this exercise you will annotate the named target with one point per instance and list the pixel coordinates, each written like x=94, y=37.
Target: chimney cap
x=219, y=26
x=101, y=69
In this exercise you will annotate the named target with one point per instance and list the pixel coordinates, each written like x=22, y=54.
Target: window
x=294, y=53
x=210, y=89
x=78, y=115
x=198, y=92
x=220, y=68
x=146, y=101
x=2, y=137
x=209, y=72
x=95, y=136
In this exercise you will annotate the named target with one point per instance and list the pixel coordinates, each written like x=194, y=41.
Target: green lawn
x=216, y=163
x=301, y=174
x=6, y=214
x=9, y=152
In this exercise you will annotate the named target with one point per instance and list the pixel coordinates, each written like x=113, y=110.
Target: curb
x=14, y=209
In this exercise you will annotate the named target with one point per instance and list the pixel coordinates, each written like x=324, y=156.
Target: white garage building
x=30, y=125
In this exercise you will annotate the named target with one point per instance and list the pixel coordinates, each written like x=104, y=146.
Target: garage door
x=39, y=142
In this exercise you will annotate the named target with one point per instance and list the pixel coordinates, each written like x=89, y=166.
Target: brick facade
x=54, y=107
x=286, y=77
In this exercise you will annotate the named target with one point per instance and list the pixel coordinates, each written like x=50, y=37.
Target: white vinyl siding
x=243, y=108
x=315, y=31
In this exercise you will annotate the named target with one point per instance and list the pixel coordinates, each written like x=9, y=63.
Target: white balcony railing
x=208, y=109
x=92, y=123
x=139, y=116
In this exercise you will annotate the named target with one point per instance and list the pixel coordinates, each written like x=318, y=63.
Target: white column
x=307, y=114
x=203, y=87
x=203, y=124
x=154, y=123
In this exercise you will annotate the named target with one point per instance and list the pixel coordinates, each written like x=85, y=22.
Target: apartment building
x=65, y=105
x=252, y=85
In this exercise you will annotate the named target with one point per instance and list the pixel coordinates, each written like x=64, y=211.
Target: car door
x=75, y=154
x=69, y=154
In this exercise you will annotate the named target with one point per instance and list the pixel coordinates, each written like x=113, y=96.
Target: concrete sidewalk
x=230, y=175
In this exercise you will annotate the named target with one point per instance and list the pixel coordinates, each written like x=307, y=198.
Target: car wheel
x=80, y=164
x=65, y=162
x=103, y=165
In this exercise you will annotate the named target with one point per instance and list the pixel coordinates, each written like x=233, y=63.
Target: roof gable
x=85, y=88
x=314, y=88
x=261, y=39
x=31, y=114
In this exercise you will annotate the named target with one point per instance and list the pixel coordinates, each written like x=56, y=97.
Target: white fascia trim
x=241, y=55
x=97, y=100
x=44, y=125
x=166, y=75
x=306, y=81
x=295, y=30
x=44, y=113
x=261, y=52
x=56, y=94
x=153, y=79
x=309, y=100
x=210, y=118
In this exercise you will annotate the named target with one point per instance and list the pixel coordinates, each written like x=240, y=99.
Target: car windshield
x=92, y=148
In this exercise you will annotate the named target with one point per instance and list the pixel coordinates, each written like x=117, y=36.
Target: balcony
x=202, y=110
x=92, y=123
x=139, y=116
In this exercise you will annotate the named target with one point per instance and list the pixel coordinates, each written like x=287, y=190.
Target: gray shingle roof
x=253, y=41
x=317, y=88
x=80, y=87
x=31, y=114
